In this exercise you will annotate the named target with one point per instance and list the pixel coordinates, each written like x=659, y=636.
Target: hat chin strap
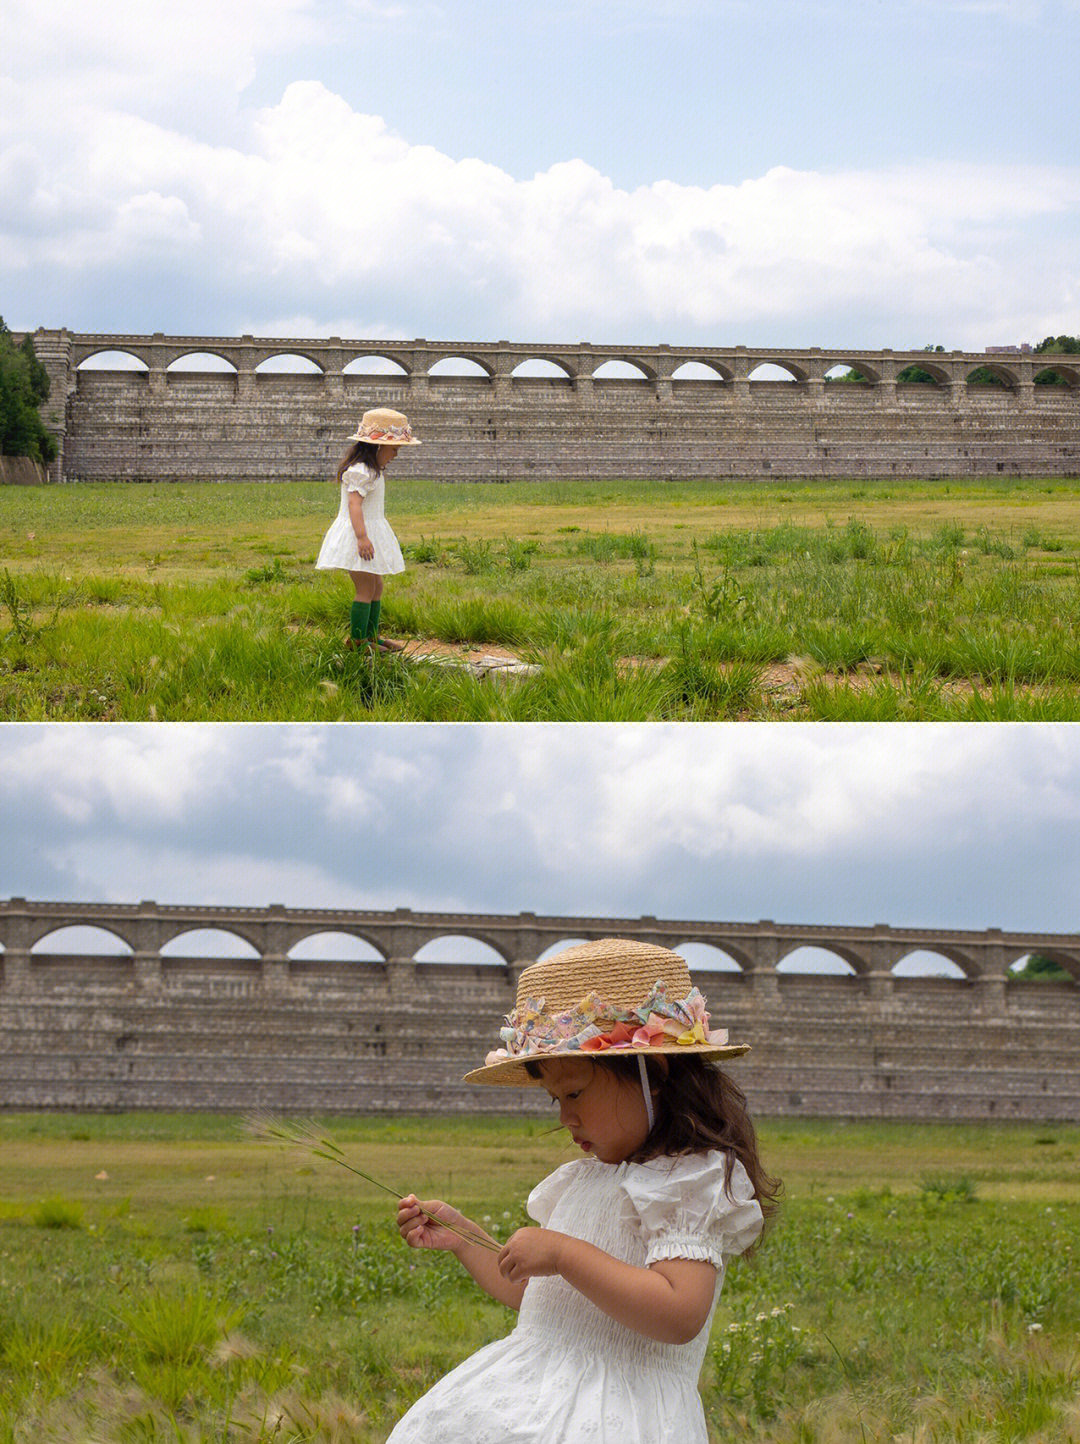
x=645, y=1090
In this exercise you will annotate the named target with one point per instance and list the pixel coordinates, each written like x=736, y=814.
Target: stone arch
x=841, y=370
x=373, y=363
x=789, y=370
x=1067, y=962
x=78, y=939
x=707, y=958
x=230, y=943
x=221, y=363
x=552, y=948
x=1070, y=375
x=937, y=373
x=992, y=373
x=107, y=361
x=335, y=947
x=812, y=959
x=459, y=365
x=460, y=948
x=545, y=367
x=927, y=963
x=624, y=368
x=280, y=364
x=701, y=371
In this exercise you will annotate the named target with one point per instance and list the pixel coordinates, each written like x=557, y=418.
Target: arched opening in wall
x=774, y=371
x=924, y=963
x=204, y=361
x=331, y=947
x=537, y=368
x=559, y=947
x=991, y=376
x=457, y=366
x=373, y=365
x=459, y=948
x=819, y=961
x=922, y=375
x=208, y=943
x=288, y=363
x=1042, y=968
x=705, y=958
x=697, y=371
x=112, y=361
x=620, y=371
x=1061, y=376
x=81, y=941
x=844, y=375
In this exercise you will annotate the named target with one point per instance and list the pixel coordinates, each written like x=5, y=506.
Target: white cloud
x=136, y=774
x=309, y=209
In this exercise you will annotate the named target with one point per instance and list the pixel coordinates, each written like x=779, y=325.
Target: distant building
x=1024, y=350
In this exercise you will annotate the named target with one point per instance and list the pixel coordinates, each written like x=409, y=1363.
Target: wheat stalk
x=305, y=1135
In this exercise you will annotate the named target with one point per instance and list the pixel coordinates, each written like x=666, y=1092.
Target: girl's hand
x=531, y=1253
x=365, y=547
x=420, y=1231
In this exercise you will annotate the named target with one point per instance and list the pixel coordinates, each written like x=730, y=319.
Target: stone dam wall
x=150, y=1030
x=166, y=424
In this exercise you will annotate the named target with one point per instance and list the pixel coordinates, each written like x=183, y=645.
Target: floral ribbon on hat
x=389, y=433
x=596, y=1025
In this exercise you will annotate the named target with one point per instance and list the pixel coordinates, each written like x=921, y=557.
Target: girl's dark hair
x=698, y=1108
x=363, y=451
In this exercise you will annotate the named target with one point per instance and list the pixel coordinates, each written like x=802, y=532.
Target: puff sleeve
x=682, y=1210
x=548, y=1191
x=359, y=478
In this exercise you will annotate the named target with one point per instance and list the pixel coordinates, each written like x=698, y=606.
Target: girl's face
x=385, y=455
x=603, y=1111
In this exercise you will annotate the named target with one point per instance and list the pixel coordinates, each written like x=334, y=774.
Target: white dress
x=339, y=544
x=569, y=1373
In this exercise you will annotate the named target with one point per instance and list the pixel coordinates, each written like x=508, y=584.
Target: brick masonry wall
x=136, y=1033
x=162, y=425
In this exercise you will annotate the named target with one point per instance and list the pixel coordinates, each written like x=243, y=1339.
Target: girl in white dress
x=616, y=1288
x=360, y=540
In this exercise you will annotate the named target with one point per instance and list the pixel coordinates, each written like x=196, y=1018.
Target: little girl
x=616, y=1289
x=361, y=540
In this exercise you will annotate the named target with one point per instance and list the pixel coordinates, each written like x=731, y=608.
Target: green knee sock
x=358, y=620
x=373, y=621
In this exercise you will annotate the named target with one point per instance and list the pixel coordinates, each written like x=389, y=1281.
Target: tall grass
x=921, y=1282
x=943, y=599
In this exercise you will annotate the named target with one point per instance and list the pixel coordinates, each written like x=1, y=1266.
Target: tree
x=1041, y=969
x=916, y=374
x=24, y=386
x=1059, y=345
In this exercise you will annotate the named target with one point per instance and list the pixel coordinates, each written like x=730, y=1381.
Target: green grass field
x=637, y=600
x=170, y=1278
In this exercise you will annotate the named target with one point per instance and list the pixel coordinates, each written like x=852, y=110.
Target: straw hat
x=383, y=427
x=611, y=996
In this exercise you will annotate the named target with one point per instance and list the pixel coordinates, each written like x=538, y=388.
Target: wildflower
x=1034, y=1328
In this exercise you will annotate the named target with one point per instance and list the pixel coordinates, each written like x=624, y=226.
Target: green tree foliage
x=916, y=375
x=1058, y=345
x=1041, y=969
x=24, y=386
x=1067, y=345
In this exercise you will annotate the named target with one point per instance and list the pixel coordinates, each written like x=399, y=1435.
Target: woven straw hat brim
x=511, y=1073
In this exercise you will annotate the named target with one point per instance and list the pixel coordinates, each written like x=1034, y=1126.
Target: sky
x=928, y=825
x=697, y=172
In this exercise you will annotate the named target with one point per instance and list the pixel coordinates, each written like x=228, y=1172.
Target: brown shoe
x=385, y=645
